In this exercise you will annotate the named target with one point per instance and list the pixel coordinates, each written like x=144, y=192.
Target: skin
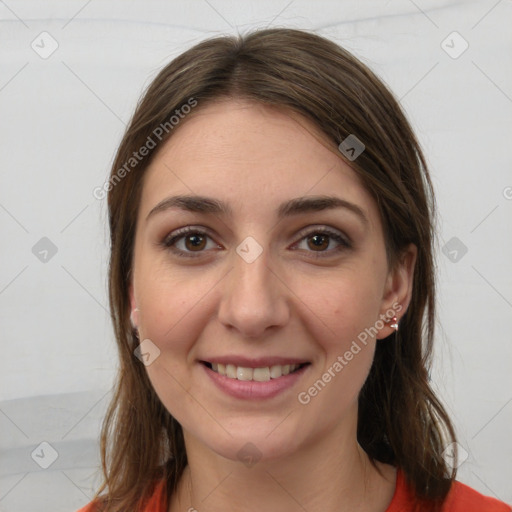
x=285, y=303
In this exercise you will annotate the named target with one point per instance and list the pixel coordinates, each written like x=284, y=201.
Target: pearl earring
x=134, y=318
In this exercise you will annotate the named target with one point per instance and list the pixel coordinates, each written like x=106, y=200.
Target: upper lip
x=256, y=362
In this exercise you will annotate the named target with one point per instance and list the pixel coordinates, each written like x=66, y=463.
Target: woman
x=272, y=292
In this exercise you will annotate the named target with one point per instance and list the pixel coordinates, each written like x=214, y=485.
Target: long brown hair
x=401, y=421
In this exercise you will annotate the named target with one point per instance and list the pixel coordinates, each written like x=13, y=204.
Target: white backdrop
x=70, y=76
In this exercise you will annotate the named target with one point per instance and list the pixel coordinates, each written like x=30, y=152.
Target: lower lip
x=250, y=389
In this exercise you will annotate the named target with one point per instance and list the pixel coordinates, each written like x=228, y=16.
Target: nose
x=254, y=298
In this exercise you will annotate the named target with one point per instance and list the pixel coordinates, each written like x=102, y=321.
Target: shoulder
x=91, y=507
x=156, y=503
x=461, y=498
x=465, y=499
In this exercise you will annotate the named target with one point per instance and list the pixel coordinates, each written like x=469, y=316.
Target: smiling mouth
x=263, y=374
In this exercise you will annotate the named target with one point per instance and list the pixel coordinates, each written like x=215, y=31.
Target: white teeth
x=257, y=374
x=261, y=374
x=243, y=373
x=275, y=371
x=231, y=371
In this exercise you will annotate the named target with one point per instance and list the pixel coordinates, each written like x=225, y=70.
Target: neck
x=330, y=474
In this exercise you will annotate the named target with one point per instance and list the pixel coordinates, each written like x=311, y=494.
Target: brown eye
x=323, y=242
x=195, y=242
x=190, y=242
x=318, y=242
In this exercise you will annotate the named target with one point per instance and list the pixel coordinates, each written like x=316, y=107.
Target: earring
x=394, y=325
x=134, y=318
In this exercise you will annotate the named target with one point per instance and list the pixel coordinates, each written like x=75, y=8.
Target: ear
x=398, y=290
x=134, y=313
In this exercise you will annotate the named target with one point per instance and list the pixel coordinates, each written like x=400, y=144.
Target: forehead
x=251, y=156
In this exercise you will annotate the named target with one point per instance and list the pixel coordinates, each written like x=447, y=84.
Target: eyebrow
x=299, y=205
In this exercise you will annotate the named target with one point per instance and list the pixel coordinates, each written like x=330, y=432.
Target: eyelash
x=169, y=241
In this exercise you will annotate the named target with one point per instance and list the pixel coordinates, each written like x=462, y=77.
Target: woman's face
x=265, y=274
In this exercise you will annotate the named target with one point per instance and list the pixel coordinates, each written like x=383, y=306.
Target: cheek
x=342, y=313
x=342, y=307
x=173, y=310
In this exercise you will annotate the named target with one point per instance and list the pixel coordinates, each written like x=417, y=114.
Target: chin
x=251, y=448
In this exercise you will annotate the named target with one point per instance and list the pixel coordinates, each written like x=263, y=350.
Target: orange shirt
x=460, y=499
